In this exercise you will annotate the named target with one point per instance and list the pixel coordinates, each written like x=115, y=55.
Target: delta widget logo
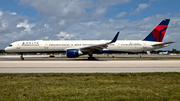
x=30, y=43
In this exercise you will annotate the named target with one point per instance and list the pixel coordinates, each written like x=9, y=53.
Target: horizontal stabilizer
x=165, y=43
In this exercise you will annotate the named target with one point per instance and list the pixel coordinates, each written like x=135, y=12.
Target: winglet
x=115, y=38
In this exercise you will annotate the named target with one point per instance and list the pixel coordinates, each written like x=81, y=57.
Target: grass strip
x=90, y=86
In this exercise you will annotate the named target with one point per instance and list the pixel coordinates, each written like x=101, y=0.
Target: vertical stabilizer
x=158, y=33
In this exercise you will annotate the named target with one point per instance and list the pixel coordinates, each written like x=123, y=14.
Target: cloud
x=64, y=36
x=63, y=12
x=1, y=13
x=111, y=2
x=121, y=14
x=27, y=27
x=13, y=13
x=141, y=7
x=99, y=12
x=8, y=26
x=66, y=12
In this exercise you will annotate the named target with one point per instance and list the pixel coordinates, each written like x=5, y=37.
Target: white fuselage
x=134, y=46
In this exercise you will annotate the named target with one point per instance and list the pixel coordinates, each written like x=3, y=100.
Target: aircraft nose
x=6, y=49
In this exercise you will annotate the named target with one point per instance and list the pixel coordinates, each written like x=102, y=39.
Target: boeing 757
x=76, y=48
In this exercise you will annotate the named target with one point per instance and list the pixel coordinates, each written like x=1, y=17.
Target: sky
x=87, y=20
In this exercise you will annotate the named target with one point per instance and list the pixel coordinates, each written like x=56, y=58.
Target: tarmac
x=13, y=64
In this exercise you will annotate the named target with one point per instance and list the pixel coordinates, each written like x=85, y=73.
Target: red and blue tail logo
x=158, y=33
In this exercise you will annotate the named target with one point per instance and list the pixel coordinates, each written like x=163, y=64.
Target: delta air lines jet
x=76, y=48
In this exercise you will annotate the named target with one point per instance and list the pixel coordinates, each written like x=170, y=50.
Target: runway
x=86, y=70
x=64, y=65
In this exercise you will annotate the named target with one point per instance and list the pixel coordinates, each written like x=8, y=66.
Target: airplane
x=164, y=53
x=76, y=48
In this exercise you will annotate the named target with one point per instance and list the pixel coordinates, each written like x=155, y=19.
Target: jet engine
x=72, y=53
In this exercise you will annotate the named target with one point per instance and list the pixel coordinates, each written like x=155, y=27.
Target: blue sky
x=155, y=7
x=86, y=19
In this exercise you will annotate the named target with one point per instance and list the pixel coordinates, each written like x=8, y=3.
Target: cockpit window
x=10, y=45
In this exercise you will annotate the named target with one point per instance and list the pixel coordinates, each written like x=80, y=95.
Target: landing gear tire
x=91, y=58
x=22, y=58
x=52, y=56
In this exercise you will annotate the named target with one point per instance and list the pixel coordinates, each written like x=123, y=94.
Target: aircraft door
x=46, y=46
x=18, y=46
x=144, y=47
x=117, y=47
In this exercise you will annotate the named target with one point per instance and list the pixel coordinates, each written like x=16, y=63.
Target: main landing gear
x=91, y=57
x=22, y=58
x=51, y=55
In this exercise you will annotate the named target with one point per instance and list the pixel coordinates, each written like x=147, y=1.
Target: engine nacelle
x=72, y=53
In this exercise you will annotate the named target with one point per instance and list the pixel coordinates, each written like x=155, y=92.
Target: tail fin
x=158, y=33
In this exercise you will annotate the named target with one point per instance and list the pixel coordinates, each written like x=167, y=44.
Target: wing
x=99, y=46
x=163, y=44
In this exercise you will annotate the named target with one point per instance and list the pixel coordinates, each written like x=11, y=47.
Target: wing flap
x=95, y=47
